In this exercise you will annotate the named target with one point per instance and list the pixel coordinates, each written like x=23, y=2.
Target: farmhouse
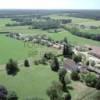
x=70, y=65
x=95, y=51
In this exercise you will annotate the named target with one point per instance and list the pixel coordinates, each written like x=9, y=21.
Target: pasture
x=30, y=82
x=56, y=36
x=34, y=81
x=12, y=48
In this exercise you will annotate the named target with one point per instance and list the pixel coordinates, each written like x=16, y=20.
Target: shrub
x=77, y=58
x=92, y=63
x=82, y=77
x=12, y=67
x=55, y=64
x=75, y=76
x=36, y=62
x=67, y=96
x=87, y=63
x=91, y=79
x=98, y=84
x=43, y=61
x=67, y=79
x=26, y=63
x=55, y=91
x=49, y=55
x=67, y=50
x=3, y=93
x=12, y=95
x=62, y=73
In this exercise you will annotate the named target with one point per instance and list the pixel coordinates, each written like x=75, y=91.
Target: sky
x=49, y=4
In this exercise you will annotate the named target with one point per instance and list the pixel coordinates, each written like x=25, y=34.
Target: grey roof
x=70, y=65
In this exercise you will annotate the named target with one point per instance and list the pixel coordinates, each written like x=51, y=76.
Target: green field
x=11, y=48
x=75, y=20
x=33, y=81
x=57, y=36
x=29, y=82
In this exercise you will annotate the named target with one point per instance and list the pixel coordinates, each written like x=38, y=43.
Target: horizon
x=50, y=4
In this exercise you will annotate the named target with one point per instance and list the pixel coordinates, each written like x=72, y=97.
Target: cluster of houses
x=91, y=54
x=39, y=39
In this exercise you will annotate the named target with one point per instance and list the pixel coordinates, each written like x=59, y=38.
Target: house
x=70, y=65
x=95, y=51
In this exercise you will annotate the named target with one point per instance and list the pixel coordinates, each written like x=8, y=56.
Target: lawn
x=30, y=82
x=11, y=48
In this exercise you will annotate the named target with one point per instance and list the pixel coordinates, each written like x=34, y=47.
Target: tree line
x=77, y=32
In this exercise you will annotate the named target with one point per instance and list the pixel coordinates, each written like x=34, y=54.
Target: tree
x=55, y=91
x=62, y=72
x=55, y=64
x=87, y=63
x=3, y=93
x=75, y=76
x=77, y=58
x=67, y=50
x=12, y=67
x=65, y=40
x=26, y=63
x=98, y=84
x=48, y=55
x=12, y=95
x=91, y=79
x=93, y=63
x=67, y=96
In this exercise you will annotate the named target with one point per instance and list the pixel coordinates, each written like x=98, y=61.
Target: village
x=90, y=54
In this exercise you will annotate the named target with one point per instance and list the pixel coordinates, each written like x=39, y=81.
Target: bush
x=92, y=63
x=77, y=58
x=91, y=80
x=62, y=73
x=12, y=67
x=55, y=91
x=98, y=84
x=75, y=76
x=67, y=96
x=49, y=55
x=3, y=93
x=43, y=61
x=67, y=50
x=67, y=79
x=55, y=64
x=87, y=63
x=36, y=62
x=12, y=95
x=26, y=63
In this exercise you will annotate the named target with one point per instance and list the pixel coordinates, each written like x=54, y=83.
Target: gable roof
x=70, y=65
